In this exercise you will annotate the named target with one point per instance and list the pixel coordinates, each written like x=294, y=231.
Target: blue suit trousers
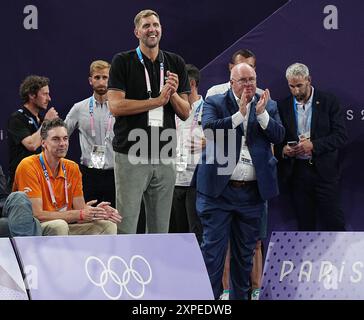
x=236, y=216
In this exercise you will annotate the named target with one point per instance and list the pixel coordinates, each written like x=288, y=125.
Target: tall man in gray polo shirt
x=94, y=122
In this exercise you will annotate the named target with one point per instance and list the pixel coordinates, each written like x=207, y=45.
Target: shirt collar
x=29, y=114
x=309, y=101
x=159, y=59
x=238, y=99
x=99, y=104
x=196, y=103
x=50, y=173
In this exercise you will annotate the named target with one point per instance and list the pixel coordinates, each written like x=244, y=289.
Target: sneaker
x=255, y=294
x=225, y=295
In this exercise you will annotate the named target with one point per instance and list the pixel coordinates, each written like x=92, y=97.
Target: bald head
x=241, y=68
x=243, y=77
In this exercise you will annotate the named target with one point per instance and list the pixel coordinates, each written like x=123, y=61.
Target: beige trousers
x=62, y=228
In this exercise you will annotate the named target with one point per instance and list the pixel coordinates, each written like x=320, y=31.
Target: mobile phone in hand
x=292, y=143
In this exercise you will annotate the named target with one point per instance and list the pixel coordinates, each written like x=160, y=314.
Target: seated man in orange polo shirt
x=54, y=187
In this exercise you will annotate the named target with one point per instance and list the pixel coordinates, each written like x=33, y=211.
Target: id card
x=63, y=209
x=155, y=117
x=245, y=156
x=181, y=160
x=98, y=156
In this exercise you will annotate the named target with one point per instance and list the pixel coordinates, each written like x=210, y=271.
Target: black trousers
x=184, y=217
x=315, y=199
x=98, y=184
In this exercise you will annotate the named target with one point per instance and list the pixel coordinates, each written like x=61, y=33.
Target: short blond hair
x=144, y=14
x=98, y=65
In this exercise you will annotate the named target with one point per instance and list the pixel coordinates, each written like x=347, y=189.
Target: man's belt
x=241, y=183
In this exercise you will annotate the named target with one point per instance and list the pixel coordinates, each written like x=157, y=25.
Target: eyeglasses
x=245, y=81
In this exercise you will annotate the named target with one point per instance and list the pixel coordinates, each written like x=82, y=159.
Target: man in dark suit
x=309, y=162
x=236, y=175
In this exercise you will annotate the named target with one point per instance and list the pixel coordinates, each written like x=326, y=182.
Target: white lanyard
x=92, y=120
x=194, y=122
x=46, y=175
x=196, y=117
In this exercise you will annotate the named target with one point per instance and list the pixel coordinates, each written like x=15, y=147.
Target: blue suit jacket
x=212, y=174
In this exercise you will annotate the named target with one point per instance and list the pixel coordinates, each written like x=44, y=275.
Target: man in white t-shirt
x=190, y=142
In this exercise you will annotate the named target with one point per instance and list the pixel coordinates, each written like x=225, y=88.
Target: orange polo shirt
x=29, y=177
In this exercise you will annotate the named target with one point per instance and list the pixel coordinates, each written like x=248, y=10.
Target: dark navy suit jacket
x=213, y=174
x=328, y=135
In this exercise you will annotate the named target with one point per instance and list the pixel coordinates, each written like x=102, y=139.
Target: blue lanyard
x=91, y=105
x=92, y=120
x=31, y=120
x=196, y=116
x=147, y=79
x=46, y=175
x=307, y=123
x=295, y=111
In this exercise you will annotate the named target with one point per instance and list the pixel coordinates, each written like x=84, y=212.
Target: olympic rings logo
x=120, y=276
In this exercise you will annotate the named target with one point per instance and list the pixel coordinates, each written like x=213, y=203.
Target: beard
x=304, y=96
x=41, y=107
x=100, y=90
x=300, y=97
x=151, y=43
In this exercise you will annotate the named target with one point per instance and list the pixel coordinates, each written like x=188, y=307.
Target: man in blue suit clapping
x=236, y=175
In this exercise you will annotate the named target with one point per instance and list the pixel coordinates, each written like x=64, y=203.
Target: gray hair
x=51, y=124
x=297, y=70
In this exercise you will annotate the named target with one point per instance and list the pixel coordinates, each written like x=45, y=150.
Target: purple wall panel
x=296, y=33
x=314, y=266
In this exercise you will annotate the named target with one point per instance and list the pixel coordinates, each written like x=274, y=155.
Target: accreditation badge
x=181, y=160
x=245, y=157
x=155, y=117
x=63, y=209
x=98, y=156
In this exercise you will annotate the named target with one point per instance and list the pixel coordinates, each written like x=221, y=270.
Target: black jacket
x=328, y=135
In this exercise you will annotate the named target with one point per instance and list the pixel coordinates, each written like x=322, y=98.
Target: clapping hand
x=260, y=107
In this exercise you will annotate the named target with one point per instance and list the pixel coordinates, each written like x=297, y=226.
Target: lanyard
x=147, y=79
x=307, y=118
x=46, y=175
x=193, y=123
x=92, y=120
x=196, y=116
x=31, y=120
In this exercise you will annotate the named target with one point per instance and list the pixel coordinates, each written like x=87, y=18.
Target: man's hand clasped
x=103, y=211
